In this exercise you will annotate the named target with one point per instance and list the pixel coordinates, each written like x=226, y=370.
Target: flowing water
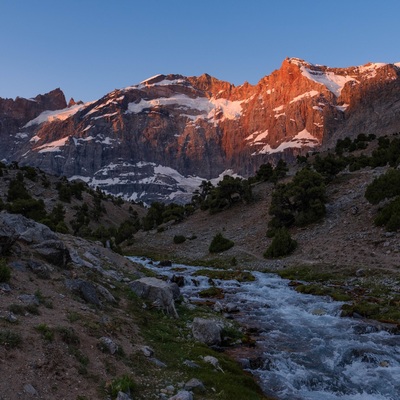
x=307, y=350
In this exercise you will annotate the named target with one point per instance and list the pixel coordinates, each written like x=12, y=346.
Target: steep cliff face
x=16, y=113
x=166, y=134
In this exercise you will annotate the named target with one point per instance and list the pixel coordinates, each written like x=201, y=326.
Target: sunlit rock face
x=157, y=140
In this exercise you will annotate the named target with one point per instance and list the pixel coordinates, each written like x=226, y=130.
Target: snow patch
x=369, y=70
x=199, y=107
x=35, y=139
x=61, y=115
x=330, y=80
x=52, y=146
x=309, y=94
x=343, y=107
x=21, y=135
x=257, y=136
x=303, y=138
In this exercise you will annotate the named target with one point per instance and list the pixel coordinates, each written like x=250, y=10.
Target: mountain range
x=157, y=140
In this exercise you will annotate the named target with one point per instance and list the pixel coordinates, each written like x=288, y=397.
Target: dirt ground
x=346, y=237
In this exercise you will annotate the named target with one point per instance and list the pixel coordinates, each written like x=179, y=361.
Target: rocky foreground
x=78, y=321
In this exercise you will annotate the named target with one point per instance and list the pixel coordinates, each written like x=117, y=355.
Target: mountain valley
x=159, y=170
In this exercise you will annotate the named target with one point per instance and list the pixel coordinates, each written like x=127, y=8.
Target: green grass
x=46, y=332
x=124, y=384
x=213, y=292
x=17, y=309
x=68, y=335
x=369, y=296
x=170, y=338
x=73, y=316
x=10, y=339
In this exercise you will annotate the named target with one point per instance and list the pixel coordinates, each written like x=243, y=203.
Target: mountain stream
x=307, y=350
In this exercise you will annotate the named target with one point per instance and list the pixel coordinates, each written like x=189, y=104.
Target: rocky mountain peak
x=166, y=134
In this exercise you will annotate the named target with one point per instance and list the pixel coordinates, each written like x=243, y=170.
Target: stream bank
x=304, y=348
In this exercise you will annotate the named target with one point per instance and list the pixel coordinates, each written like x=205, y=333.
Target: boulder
x=160, y=293
x=195, y=385
x=41, y=239
x=123, y=396
x=53, y=251
x=8, y=235
x=147, y=351
x=30, y=390
x=178, y=279
x=108, y=345
x=40, y=269
x=165, y=263
x=25, y=229
x=207, y=331
x=29, y=299
x=182, y=395
x=105, y=293
x=86, y=290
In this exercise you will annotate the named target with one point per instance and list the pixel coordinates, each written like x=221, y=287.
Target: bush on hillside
x=329, y=166
x=282, y=245
x=5, y=271
x=220, y=244
x=299, y=202
x=17, y=190
x=228, y=191
x=389, y=216
x=178, y=239
x=29, y=208
x=385, y=186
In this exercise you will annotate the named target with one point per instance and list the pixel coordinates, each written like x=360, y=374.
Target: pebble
x=147, y=351
x=29, y=389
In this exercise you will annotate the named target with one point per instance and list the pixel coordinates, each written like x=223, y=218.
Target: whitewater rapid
x=307, y=350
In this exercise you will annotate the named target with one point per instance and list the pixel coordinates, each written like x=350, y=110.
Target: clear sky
x=91, y=47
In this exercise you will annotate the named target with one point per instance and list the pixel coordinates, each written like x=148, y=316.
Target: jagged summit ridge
x=164, y=135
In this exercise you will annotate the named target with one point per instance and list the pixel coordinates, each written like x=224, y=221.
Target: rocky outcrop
x=164, y=135
x=14, y=114
x=207, y=331
x=37, y=238
x=161, y=294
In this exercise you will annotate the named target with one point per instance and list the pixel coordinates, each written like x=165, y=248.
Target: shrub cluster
x=5, y=271
x=299, y=202
x=220, y=244
x=228, y=191
x=178, y=239
x=267, y=173
x=160, y=213
x=282, y=245
x=384, y=187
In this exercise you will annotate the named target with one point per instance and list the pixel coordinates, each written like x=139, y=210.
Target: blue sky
x=90, y=47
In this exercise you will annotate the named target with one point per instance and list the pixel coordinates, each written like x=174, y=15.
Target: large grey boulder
x=53, y=251
x=207, y=331
x=182, y=395
x=25, y=229
x=86, y=290
x=194, y=385
x=8, y=235
x=160, y=293
x=108, y=345
x=40, y=238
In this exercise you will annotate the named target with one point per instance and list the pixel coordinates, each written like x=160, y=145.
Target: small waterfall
x=307, y=350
